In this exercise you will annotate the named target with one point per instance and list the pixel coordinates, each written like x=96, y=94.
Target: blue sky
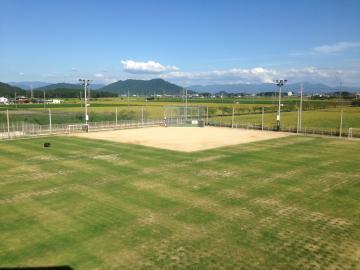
x=187, y=42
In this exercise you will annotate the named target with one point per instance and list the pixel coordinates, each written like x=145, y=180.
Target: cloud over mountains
x=149, y=67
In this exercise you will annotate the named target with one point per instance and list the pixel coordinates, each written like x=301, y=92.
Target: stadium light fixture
x=85, y=83
x=279, y=83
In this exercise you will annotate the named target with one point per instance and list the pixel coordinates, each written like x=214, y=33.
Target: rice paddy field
x=318, y=115
x=287, y=203
x=313, y=119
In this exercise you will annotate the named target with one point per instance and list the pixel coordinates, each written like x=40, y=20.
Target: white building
x=56, y=101
x=290, y=94
x=4, y=100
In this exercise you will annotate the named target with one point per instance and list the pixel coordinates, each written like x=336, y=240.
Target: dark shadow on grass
x=61, y=267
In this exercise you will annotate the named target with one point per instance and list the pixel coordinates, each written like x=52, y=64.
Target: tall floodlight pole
x=301, y=102
x=341, y=122
x=85, y=83
x=279, y=83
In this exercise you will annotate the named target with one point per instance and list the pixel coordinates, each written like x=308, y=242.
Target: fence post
x=298, y=121
x=262, y=118
x=341, y=122
x=142, y=116
x=116, y=117
x=207, y=115
x=8, y=123
x=232, y=117
x=50, y=124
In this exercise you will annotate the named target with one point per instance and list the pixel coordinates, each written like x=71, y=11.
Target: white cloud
x=149, y=67
x=21, y=73
x=234, y=75
x=99, y=75
x=265, y=75
x=105, y=77
x=337, y=47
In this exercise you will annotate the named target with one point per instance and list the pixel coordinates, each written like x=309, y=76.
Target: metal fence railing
x=21, y=130
x=347, y=133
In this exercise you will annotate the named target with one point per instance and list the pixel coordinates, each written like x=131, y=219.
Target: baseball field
x=281, y=203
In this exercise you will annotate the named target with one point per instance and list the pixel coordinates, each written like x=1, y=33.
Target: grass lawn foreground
x=289, y=203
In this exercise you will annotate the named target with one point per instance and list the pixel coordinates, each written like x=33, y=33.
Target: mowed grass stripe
x=282, y=204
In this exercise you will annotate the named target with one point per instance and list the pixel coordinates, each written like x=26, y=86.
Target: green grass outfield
x=288, y=203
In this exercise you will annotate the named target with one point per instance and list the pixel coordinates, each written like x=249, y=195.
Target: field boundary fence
x=23, y=129
x=332, y=132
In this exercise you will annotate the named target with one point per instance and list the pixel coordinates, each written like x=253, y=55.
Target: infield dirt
x=187, y=139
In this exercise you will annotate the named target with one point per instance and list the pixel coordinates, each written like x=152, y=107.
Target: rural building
x=4, y=100
x=22, y=99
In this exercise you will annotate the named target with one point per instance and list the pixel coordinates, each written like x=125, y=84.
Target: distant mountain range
x=131, y=87
x=29, y=84
x=60, y=90
x=143, y=87
x=160, y=86
x=59, y=86
x=269, y=87
x=35, y=85
x=68, y=86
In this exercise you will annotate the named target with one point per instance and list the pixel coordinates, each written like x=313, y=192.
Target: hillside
x=9, y=91
x=68, y=86
x=60, y=86
x=27, y=85
x=143, y=87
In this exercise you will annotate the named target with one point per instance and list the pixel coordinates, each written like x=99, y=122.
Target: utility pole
x=85, y=83
x=279, y=83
